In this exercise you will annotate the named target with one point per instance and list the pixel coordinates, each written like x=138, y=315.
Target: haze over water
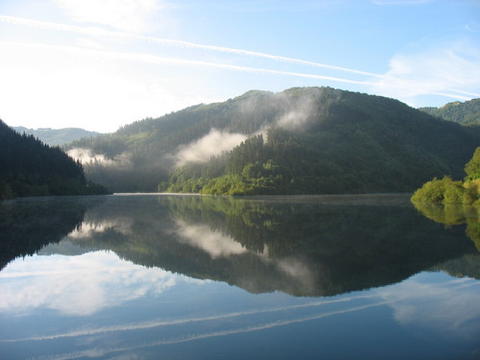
x=180, y=277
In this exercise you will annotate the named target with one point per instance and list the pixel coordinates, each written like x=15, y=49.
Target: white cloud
x=437, y=71
x=93, y=87
x=128, y=15
x=214, y=143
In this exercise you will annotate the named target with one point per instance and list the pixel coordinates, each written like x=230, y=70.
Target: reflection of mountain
x=454, y=214
x=27, y=225
x=315, y=247
x=467, y=265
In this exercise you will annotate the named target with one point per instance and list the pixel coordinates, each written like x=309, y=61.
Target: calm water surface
x=188, y=277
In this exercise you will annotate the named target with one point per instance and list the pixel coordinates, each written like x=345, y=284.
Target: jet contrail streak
x=153, y=59
x=162, y=323
x=93, y=31
x=108, y=33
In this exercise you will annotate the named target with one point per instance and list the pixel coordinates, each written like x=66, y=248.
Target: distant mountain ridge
x=56, y=136
x=465, y=113
x=301, y=140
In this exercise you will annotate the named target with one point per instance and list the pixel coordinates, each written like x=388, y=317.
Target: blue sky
x=102, y=64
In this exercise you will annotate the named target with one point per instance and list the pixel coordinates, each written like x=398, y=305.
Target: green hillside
x=465, y=113
x=302, y=140
x=29, y=167
x=55, y=137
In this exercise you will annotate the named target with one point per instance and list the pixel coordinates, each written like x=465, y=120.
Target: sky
x=102, y=64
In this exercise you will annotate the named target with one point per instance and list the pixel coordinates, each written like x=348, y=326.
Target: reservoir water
x=191, y=277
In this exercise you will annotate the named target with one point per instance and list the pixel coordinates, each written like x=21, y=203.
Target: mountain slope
x=466, y=113
x=28, y=167
x=302, y=140
x=56, y=136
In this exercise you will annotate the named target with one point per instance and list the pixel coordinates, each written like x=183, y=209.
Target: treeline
x=351, y=143
x=149, y=145
x=29, y=167
x=323, y=140
x=465, y=113
x=448, y=191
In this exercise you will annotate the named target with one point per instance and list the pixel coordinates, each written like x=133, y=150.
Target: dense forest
x=30, y=168
x=56, y=137
x=465, y=113
x=301, y=140
x=447, y=191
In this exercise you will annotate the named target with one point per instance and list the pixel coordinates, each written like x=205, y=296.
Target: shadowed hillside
x=31, y=168
x=302, y=140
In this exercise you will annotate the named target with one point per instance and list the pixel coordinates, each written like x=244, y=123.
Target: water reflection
x=27, y=225
x=454, y=214
x=130, y=277
x=77, y=285
x=306, y=247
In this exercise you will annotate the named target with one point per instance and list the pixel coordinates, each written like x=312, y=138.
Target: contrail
x=154, y=59
x=163, y=323
x=454, y=96
x=95, y=352
x=465, y=92
x=92, y=31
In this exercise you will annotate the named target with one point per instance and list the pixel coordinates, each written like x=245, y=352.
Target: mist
x=299, y=112
x=87, y=157
x=212, y=144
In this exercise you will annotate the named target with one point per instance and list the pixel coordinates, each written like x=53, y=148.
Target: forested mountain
x=465, y=113
x=56, y=136
x=302, y=140
x=29, y=167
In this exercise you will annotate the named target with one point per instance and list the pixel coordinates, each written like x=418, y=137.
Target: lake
x=191, y=277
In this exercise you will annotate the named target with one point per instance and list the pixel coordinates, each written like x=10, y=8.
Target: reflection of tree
x=302, y=248
x=454, y=214
x=27, y=225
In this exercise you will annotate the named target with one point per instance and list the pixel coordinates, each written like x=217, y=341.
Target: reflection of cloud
x=436, y=306
x=217, y=244
x=76, y=285
x=212, y=242
x=88, y=229
x=297, y=270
